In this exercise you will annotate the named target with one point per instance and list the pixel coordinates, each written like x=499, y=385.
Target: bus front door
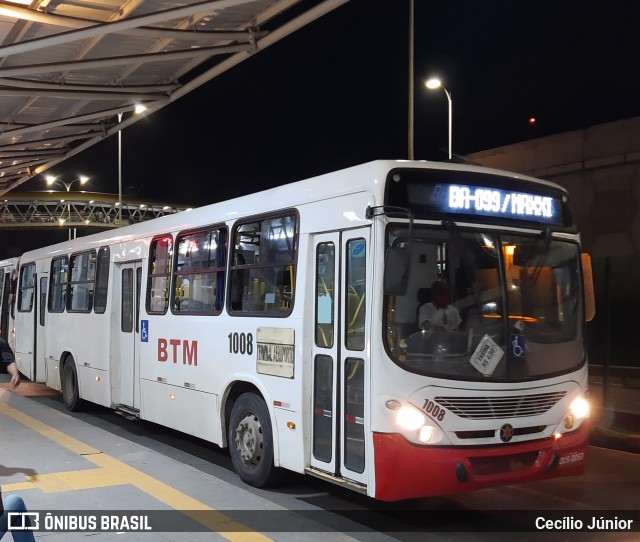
x=40, y=372
x=126, y=365
x=5, y=288
x=339, y=355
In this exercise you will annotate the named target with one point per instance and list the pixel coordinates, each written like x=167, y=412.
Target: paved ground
x=61, y=464
x=58, y=462
x=616, y=425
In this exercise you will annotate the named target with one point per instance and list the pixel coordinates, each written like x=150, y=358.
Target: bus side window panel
x=255, y=288
x=58, y=285
x=237, y=287
x=247, y=289
x=325, y=294
x=356, y=294
x=196, y=292
x=26, y=290
x=102, y=281
x=83, y=269
x=246, y=252
x=275, y=288
x=264, y=265
x=279, y=251
x=160, y=259
x=159, y=294
x=188, y=261
x=354, y=442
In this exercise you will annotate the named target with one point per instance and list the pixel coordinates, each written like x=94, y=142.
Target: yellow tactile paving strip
x=112, y=472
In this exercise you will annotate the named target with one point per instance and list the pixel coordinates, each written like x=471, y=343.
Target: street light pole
x=433, y=84
x=119, y=170
x=137, y=110
x=411, y=91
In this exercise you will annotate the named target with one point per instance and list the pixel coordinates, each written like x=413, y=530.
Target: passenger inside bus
x=439, y=314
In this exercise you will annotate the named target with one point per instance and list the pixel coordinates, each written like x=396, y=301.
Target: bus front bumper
x=405, y=470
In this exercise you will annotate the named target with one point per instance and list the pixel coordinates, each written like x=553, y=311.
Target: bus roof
x=367, y=177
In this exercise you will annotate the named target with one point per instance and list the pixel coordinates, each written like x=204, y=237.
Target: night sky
x=335, y=94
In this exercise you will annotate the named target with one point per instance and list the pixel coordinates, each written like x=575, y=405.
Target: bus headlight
x=410, y=418
x=416, y=427
x=578, y=411
x=426, y=434
x=579, y=408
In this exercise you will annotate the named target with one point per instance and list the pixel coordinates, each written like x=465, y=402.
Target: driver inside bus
x=438, y=314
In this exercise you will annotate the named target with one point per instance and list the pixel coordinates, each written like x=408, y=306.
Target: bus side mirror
x=589, y=296
x=396, y=270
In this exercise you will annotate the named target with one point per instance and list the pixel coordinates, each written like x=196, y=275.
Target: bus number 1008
x=241, y=343
x=433, y=410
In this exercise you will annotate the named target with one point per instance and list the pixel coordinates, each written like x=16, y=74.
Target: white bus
x=284, y=325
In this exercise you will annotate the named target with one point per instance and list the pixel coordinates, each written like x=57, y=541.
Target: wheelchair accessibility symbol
x=517, y=345
x=144, y=331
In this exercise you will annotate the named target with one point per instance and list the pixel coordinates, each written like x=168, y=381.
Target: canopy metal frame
x=73, y=71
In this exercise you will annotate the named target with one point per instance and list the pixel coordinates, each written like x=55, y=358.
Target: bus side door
x=40, y=352
x=339, y=355
x=125, y=363
x=25, y=319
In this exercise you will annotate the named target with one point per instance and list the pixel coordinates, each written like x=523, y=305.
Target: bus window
x=199, y=272
x=82, y=277
x=58, y=285
x=126, y=302
x=159, y=275
x=264, y=256
x=325, y=294
x=102, y=281
x=27, y=287
x=355, y=306
x=323, y=408
x=354, y=441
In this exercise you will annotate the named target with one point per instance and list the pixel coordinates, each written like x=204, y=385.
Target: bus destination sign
x=435, y=194
x=501, y=203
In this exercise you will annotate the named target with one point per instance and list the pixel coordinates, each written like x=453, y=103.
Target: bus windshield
x=486, y=306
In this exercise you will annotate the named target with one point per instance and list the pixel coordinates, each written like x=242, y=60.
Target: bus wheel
x=70, y=391
x=251, y=441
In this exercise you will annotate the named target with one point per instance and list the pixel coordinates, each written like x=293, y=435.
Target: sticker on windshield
x=517, y=345
x=486, y=356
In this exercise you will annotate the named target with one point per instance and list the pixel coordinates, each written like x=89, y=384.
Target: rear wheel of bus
x=70, y=390
x=251, y=441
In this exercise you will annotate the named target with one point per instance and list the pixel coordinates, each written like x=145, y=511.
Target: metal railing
x=81, y=210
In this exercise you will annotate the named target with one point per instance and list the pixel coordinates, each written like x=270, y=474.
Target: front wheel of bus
x=251, y=441
x=70, y=391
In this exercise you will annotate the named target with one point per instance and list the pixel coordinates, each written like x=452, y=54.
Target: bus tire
x=251, y=441
x=70, y=390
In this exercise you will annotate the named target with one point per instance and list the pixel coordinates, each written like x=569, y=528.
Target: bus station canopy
x=73, y=71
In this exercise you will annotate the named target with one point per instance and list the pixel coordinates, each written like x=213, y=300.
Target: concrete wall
x=600, y=167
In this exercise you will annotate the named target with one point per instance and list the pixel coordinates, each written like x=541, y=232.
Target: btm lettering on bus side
x=177, y=349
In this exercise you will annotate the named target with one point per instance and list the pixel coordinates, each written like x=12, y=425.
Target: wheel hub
x=249, y=442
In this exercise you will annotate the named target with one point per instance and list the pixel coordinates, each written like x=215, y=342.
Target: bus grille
x=512, y=406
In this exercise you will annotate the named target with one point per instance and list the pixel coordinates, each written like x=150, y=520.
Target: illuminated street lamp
x=138, y=108
x=51, y=180
x=434, y=84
